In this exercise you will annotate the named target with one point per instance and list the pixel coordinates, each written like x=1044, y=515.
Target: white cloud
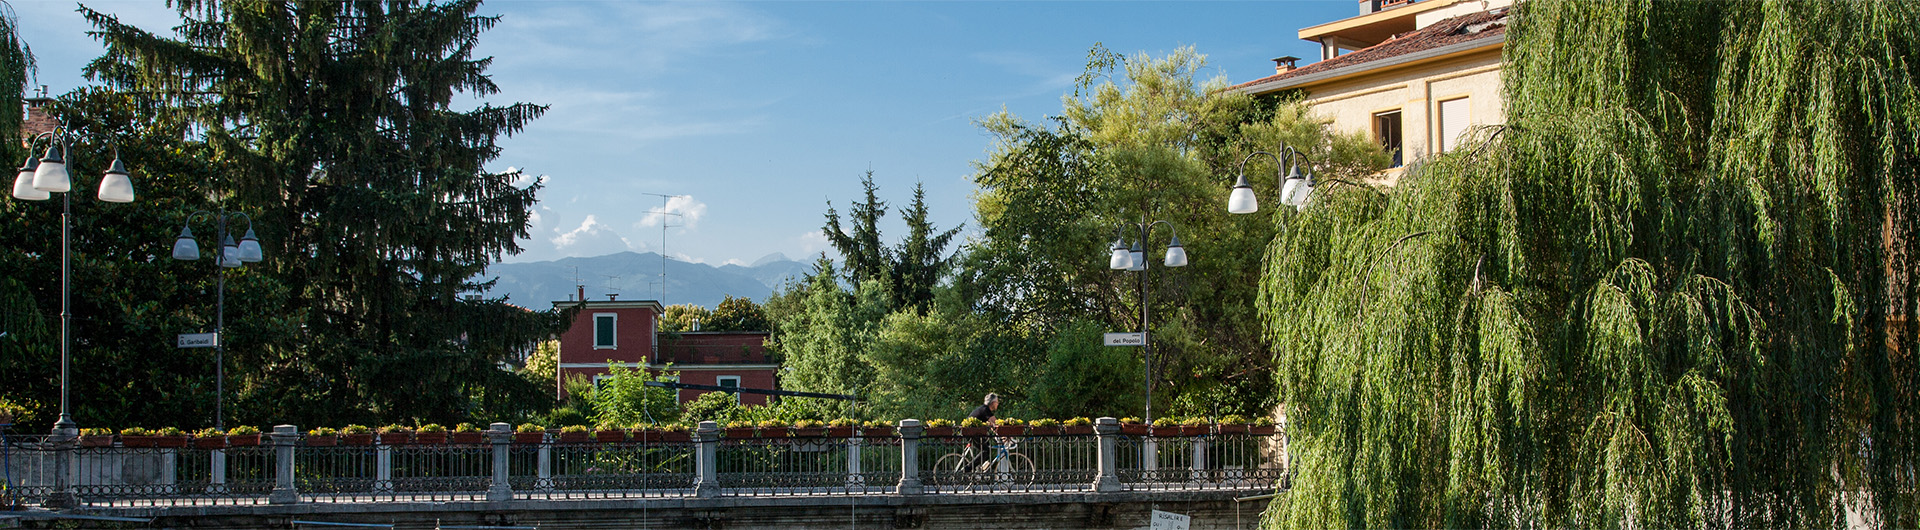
x=591, y=238
x=812, y=242
x=686, y=258
x=689, y=211
x=736, y=261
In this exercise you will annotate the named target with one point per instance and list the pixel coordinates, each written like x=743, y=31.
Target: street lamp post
x=1134, y=259
x=38, y=180
x=1295, y=187
x=228, y=255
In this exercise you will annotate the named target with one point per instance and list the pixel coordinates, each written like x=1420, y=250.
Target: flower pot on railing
x=740, y=432
x=1010, y=430
x=840, y=432
x=170, y=442
x=976, y=431
x=356, y=439
x=877, y=432
x=210, y=442
x=244, y=440
x=137, y=440
x=809, y=432
x=775, y=432
x=654, y=436
x=939, y=431
x=315, y=440
x=1047, y=430
x=430, y=437
x=1074, y=430
x=529, y=437
x=1233, y=428
x=1261, y=430
x=574, y=437
x=1166, y=431
x=97, y=440
x=1135, y=429
x=610, y=437
x=467, y=437
x=395, y=438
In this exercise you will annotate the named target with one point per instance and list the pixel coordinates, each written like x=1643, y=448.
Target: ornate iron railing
x=288, y=469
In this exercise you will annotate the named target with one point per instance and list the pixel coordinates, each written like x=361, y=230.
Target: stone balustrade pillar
x=1107, y=476
x=706, y=461
x=284, y=438
x=500, y=435
x=66, y=468
x=910, y=430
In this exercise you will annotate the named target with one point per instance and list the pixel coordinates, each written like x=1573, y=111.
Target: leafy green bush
x=624, y=397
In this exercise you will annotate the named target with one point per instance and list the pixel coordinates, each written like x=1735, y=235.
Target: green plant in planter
x=809, y=424
x=877, y=424
x=245, y=430
x=1232, y=419
x=1165, y=422
x=739, y=425
x=1129, y=419
x=676, y=427
x=1081, y=421
x=772, y=424
x=1044, y=422
x=95, y=431
x=170, y=431
x=574, y=429
x=136, y=431
x=394, y=428
x=940, y=423
x=972, y=422
x=842, y=423
x=1012, y=422
x=1194, y=421
x=528, y=427
x=356, y=429
x=319, y=431
x=433, y=428
x=466, y=427
x=1263, y=421
x=208, y=432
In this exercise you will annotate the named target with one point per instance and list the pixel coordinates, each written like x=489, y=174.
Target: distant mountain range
x=636, y=276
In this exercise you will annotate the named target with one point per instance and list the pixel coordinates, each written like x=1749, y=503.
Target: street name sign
x=1126, y=339
x=199, y=340
x=1169, y=521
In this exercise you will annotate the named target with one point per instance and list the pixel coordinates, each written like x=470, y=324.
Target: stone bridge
x=912, y=477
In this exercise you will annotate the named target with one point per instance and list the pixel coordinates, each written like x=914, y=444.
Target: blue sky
x=761, y=112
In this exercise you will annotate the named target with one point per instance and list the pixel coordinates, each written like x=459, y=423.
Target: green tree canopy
x=1659, y=297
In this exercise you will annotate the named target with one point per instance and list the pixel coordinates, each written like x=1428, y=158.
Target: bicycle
x=1007, y=466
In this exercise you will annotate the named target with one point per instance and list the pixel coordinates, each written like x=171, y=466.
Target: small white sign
x=1126, y=339
x=199, y=340
x=1168, y=521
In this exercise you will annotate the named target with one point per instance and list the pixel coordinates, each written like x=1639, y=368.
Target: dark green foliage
x=1659, y=298
x=359, y=312
x=736, y=314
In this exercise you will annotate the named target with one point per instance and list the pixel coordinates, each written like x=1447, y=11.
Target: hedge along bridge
x=687, y=479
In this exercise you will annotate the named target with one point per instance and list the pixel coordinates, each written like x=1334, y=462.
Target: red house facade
x=627, y=332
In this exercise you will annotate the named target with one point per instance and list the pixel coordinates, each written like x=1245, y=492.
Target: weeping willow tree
x=1671, y=292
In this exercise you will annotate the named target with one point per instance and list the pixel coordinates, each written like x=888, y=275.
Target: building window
x=600, y=381
x=1454, y=117
x=1386, y=129
x=603, y=336
x=730, y=381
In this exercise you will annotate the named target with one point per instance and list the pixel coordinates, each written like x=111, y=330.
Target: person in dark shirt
x=981, y=445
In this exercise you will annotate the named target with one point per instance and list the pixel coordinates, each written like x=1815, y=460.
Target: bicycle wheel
x=1019, y=471
x=947, y=469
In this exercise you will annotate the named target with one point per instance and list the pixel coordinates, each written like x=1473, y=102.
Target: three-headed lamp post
x=37, y=180
x=228, y=255
x=1134, y=259
x=1295, y=187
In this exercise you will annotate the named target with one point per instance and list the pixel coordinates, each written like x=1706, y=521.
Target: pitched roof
x=1489, y=26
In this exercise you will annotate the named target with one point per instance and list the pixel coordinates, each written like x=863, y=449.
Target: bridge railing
x=56, y=471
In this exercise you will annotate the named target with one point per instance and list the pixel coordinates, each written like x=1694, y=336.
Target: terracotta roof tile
x=1456, y=30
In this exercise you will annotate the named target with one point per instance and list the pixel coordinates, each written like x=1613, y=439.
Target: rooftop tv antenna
x=613, y=293
x=578, y=285
x=664, y=199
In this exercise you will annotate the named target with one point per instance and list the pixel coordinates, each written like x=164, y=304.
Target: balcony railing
x=287, y=469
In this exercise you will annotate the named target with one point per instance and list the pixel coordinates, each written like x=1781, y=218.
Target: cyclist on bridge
x=980, y=445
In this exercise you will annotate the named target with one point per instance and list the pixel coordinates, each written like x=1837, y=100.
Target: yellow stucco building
x=1414, y=76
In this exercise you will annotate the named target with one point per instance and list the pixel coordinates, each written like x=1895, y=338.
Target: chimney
x=37, y=120
x=583, y=292
x=1284, y=64
x=613, y=297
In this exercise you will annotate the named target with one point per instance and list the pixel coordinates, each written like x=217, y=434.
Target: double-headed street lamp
x=228, y=255
x=38, y=180
x=1135, y=259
